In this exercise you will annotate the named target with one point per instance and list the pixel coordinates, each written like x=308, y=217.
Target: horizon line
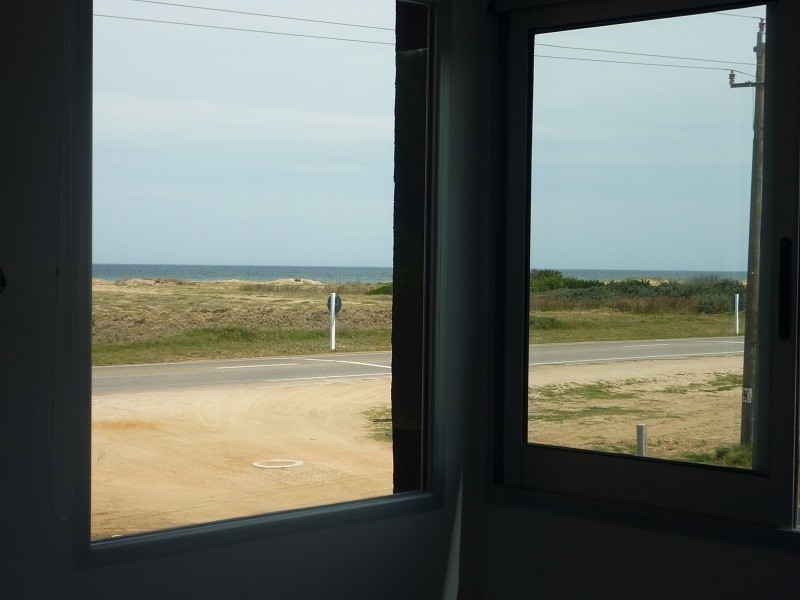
x=171, y=264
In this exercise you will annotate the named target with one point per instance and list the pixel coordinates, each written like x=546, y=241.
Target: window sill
x=237, y=531
x=630, y=515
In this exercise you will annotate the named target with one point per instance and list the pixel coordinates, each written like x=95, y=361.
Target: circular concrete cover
x=277, y=463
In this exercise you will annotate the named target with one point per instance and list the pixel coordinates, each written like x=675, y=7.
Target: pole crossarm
x=747, y=84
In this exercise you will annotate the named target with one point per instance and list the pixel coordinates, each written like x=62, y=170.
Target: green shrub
x=733, y=455
x=385, y=289
x=551, y=291
x=708, y=304
x=543, y=280
x=632, y=287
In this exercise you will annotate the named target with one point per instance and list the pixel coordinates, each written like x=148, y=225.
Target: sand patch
x=183, y=457
x=297, y=282
x=690, y=405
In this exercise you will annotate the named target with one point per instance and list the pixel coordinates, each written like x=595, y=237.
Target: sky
x=638, y=166
x=229, y=147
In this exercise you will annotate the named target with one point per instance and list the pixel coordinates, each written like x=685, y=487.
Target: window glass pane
x=645, y=221
x=242, y=174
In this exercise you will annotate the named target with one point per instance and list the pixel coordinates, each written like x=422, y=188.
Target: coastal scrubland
x=160, y=320
x=565, y=309
x=691, y=406
x=164, y=320
x=151, y=448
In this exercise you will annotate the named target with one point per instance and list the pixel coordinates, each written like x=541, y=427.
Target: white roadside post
x=334, y=306
x=736, y=305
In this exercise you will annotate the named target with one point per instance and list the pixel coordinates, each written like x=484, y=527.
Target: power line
x=255, y=14
x=724, y=14
x=729, y=62
x=166, y=22
x=300, y=35
x=626, y=62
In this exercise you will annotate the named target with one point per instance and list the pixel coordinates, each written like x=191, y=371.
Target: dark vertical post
x=410, y=196
x=749, y=383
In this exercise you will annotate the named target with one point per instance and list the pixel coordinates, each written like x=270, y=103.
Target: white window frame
x=764, y=496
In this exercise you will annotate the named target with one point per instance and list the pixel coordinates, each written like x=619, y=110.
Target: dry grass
x=149, y=321
x=140, y=320
x=631, y=305
x=597, y=407
x=131, y=311
x=596, y=324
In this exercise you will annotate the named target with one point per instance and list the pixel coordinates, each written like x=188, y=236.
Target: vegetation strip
x=567, y=409
x=148, y=321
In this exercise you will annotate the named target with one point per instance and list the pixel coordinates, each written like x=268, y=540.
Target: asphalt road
x=239, y=371
x=129, y=378
x=585, y=352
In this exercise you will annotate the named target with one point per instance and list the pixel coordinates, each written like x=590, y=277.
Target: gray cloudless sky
x=230, y=147
x=638, y=166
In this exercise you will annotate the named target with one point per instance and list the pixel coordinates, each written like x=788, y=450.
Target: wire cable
x=724, y=14
x=255, y=14
x=299, y=35
x=729, y=62
x=626, y=62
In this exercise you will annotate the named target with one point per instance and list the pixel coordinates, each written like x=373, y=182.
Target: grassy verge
x=565, y=309
x=148, y=321
x=144, y=321
x=576, y=402
x=602, y=324
x=379, y=423
x=688, y=421
x=232, y=342
x=733, y=455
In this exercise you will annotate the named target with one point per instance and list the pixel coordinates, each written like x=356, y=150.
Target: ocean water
x=620, y=274
x=244, y=272
x=351, y=274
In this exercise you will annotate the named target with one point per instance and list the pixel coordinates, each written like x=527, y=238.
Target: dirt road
x=173, y=458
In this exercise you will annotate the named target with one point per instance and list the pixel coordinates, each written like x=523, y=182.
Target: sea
x=244, y=272
x=621, y=274
x=118, y=272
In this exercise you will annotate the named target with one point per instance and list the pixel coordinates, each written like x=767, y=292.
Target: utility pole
x=749, y=387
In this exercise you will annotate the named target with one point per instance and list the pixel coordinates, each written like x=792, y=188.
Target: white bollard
x=333, y=321
x=736, y=308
